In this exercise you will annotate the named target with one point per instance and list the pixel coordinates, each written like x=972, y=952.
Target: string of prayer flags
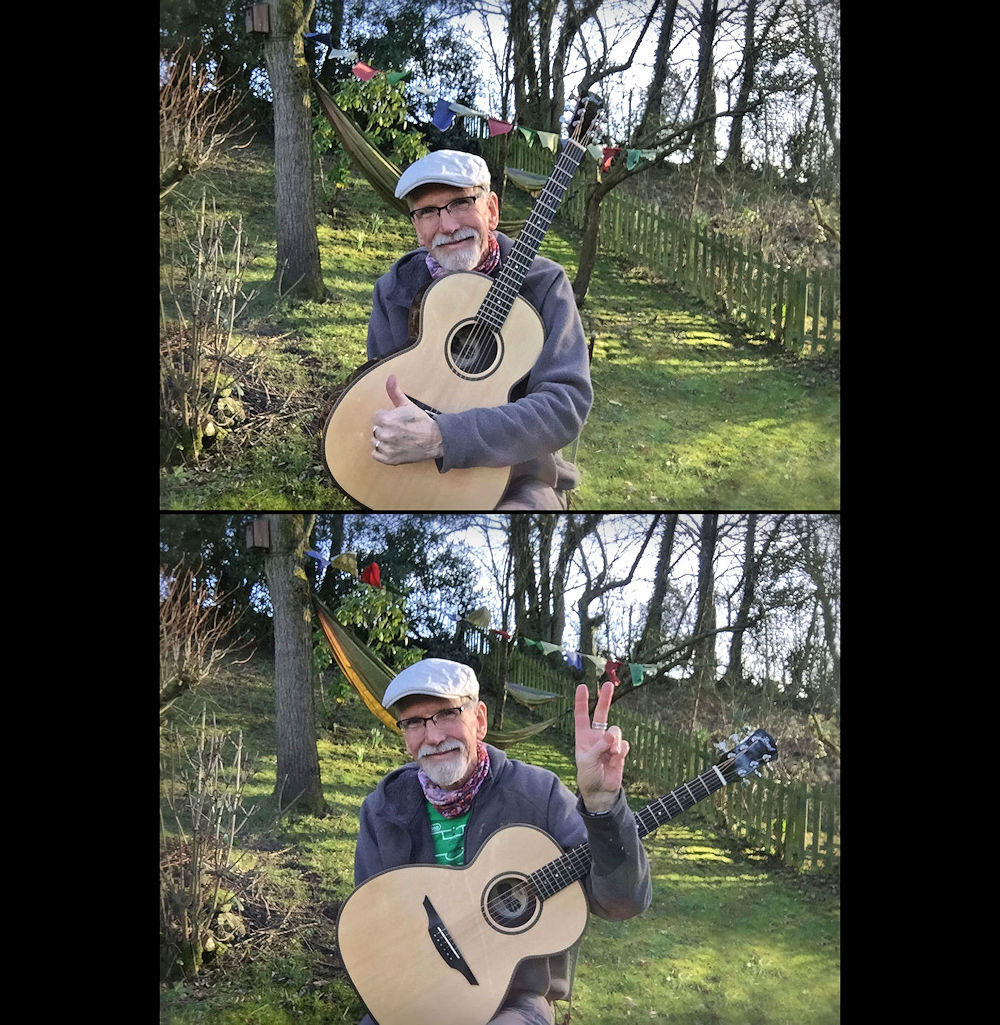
x=445, y=110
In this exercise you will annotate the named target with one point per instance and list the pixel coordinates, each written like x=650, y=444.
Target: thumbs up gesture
x=405, y=433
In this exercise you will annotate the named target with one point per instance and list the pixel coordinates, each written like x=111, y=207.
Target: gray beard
x=467, y=260
x=448, y=772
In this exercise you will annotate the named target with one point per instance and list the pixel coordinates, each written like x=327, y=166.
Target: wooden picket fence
x=798, y=310
x=798, y=823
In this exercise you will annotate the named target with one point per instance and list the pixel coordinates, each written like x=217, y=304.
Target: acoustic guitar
x=439, y=945
x=472, y=340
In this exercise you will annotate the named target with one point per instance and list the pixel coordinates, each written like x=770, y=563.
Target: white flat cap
x=444, y=167
x=433, y=678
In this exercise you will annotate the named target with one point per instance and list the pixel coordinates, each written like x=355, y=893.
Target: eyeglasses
x=427, y=214
x=442, y=718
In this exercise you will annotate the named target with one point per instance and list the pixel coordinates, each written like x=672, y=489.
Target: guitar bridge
x=445, y=945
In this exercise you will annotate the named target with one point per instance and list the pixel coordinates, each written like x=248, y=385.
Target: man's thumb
x=394, y=392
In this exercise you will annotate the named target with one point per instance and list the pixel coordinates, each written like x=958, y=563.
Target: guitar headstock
x=581, y=117
x=748, y=755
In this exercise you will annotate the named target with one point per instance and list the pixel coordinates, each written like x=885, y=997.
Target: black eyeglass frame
x=424, y=211
x=425, y=719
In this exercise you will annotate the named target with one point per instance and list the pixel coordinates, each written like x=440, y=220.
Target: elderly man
x=455, y=215
x=441, y=808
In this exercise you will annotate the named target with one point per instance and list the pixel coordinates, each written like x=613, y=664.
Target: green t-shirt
x=449, y=837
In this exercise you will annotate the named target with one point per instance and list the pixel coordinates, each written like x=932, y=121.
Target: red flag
x=364, y=71
x=611, y=670
x=610, y=152
x=502, y=633
x=370, y=575
x=498, y=127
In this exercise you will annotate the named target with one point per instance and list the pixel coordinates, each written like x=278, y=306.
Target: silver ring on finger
x=599, y=726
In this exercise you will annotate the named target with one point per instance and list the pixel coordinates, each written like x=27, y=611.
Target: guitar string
x=578, y=858
x=503, y=291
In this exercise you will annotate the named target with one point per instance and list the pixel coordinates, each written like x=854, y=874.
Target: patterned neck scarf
x=452, y=803
x=487, y=265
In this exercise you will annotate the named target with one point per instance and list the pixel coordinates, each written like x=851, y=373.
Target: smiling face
x=458, y=241
x=447, y=753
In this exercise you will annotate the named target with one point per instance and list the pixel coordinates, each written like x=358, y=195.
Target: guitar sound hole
x=472, y=349
x=509, y=904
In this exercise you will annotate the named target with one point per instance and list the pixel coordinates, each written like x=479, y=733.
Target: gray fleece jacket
x=527, y=433
x=395, y=830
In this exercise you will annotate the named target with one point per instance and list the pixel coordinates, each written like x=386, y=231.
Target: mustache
x=440, y=749
x=458, y=235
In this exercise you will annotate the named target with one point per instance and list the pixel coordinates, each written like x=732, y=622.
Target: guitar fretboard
x=574, y=864
x=500, y=298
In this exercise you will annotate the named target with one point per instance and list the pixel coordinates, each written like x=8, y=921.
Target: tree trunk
x=705, y=665
x=651, y=632
x=734, y=671
x=298, y=268
x=298, y=780
x=649, y=124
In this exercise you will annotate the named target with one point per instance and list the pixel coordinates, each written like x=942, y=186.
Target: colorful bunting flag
x=370, y=575
x=609, y=153
x=498, y=127
x=479, y=617
x=322, y=560
x=443, y=115
x=458, y=108
x=364, y=71
x=347, y=561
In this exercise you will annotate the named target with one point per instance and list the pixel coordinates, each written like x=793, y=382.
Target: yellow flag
x=347, y=561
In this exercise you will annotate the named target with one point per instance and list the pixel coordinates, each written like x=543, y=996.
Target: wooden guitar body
x=462, y=932
x=456, y=363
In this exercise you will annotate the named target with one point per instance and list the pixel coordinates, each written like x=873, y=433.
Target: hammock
x=370, y=676
x=381, y=173
x=530, y=697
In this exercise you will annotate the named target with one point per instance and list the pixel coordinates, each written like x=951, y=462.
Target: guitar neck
x=497, y=304
x=575, y=864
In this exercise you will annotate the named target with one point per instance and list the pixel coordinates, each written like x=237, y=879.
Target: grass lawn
x=730, y=938
x=689, y=413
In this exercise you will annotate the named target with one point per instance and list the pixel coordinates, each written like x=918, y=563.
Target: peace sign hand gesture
x=600, y=752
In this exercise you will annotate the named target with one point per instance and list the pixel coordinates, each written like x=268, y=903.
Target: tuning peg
x=721, y=746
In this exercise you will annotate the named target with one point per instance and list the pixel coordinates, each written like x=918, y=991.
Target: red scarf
x=452, y=803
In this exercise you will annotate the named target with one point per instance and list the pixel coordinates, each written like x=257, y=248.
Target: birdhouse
x=259, y=19
x=259, y=534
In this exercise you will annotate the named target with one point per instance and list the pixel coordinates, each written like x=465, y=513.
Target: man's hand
x=405, y=433
x=600, y=754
